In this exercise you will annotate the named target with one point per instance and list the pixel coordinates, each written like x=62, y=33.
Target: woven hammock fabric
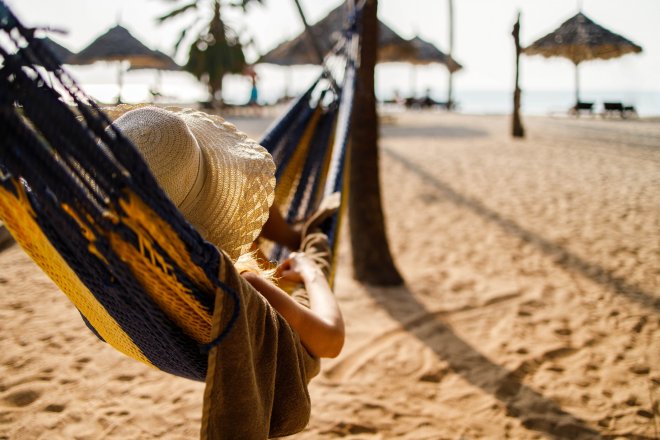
x=77, y=196
x=80, y=200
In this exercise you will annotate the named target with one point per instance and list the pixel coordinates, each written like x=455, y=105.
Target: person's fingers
x=294, y=263
x=283, y=266
x=291, y=275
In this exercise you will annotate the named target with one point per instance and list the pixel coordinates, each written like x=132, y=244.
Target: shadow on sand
x=6, y=240
x=434, y=131
x=535, y=411
x=561, y=256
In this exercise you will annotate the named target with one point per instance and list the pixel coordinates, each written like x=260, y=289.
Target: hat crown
x=168, y=146
x=221, y=181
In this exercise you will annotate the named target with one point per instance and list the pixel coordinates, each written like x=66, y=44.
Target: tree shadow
x=432, y=131
x=535, y=411
x=561, y=256
x=6, y=240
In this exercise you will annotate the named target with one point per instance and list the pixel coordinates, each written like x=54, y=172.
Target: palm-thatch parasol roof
x=118, y=45
x=327, y=32
x=581, y=39
x=425, y=53
x=167, y=63
x=62, y=54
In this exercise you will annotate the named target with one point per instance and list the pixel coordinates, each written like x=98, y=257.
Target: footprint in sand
x=55, y=408
x=563, y=331
x=640, y=369
x=397, y=353
x=125, y=377
x=343, y=429
x=21, y=398
x=407, y=350
x=81, y=362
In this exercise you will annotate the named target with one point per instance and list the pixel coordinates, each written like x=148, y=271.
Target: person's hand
x=296, y=268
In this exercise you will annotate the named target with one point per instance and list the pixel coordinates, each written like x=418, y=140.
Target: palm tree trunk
x=372, y=260
x=517, y=129
x=215, y=89
x=217, y=29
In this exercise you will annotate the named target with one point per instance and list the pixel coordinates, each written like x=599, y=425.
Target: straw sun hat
x=222, y=181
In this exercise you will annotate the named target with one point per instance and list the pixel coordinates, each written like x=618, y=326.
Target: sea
x=182, y=88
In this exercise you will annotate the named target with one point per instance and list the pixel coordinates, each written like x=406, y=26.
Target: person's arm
x=278, y=230
x=321, y=327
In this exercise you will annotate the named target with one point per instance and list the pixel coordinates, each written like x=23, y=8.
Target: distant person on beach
x=223, y=184
x=427, y=101
x=254, y=92
x=397, y=98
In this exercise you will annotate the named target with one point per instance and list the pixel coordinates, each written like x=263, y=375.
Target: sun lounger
x=424, y=103
x=582, y=107
x=617, y=108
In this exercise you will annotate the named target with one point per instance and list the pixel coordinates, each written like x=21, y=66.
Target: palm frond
x=179, y=40
x=242, y=3
x=188, y=30
x=177, y=12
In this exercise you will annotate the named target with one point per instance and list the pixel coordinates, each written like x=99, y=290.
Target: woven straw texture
x=222, y=181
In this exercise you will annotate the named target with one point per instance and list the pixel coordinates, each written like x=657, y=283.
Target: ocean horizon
x=181, y=88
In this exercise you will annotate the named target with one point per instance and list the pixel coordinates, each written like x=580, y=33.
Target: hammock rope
x=77, y=196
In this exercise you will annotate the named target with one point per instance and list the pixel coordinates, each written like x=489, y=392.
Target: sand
x=531, y=307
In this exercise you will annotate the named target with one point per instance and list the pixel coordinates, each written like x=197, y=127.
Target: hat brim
x=238, y=187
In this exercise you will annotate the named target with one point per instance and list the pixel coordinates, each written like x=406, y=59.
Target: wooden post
x=517, y=127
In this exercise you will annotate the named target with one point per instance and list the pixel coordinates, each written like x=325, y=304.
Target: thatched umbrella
x=327, y=32
x=580, y=39
x=62, y=54
x=118, y=45
x=168, y=64
x=164, y=62
x=424, y=53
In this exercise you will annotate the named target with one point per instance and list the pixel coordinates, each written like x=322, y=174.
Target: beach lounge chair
x=618, y=109
x=78, y=197
x=424, y=103
x=582, y=107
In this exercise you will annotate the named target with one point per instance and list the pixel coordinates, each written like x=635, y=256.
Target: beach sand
x=531, y=307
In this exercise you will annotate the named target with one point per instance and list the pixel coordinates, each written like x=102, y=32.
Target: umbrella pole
x=288, y=77
x=120, y=81
x=577, y=85
x=413, y=82
x=156, y=91
x=450, y=84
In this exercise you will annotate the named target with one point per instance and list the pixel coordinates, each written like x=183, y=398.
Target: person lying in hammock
x=223, y=184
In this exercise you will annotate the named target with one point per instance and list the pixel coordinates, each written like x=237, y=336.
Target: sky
x=482, y=43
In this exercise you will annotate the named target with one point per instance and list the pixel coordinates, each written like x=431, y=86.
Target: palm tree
x=216, y=49
x=372, y=260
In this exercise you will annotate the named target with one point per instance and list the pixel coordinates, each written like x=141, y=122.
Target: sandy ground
x=531, y=307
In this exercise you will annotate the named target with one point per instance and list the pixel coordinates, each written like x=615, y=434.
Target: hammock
x=82, y=203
